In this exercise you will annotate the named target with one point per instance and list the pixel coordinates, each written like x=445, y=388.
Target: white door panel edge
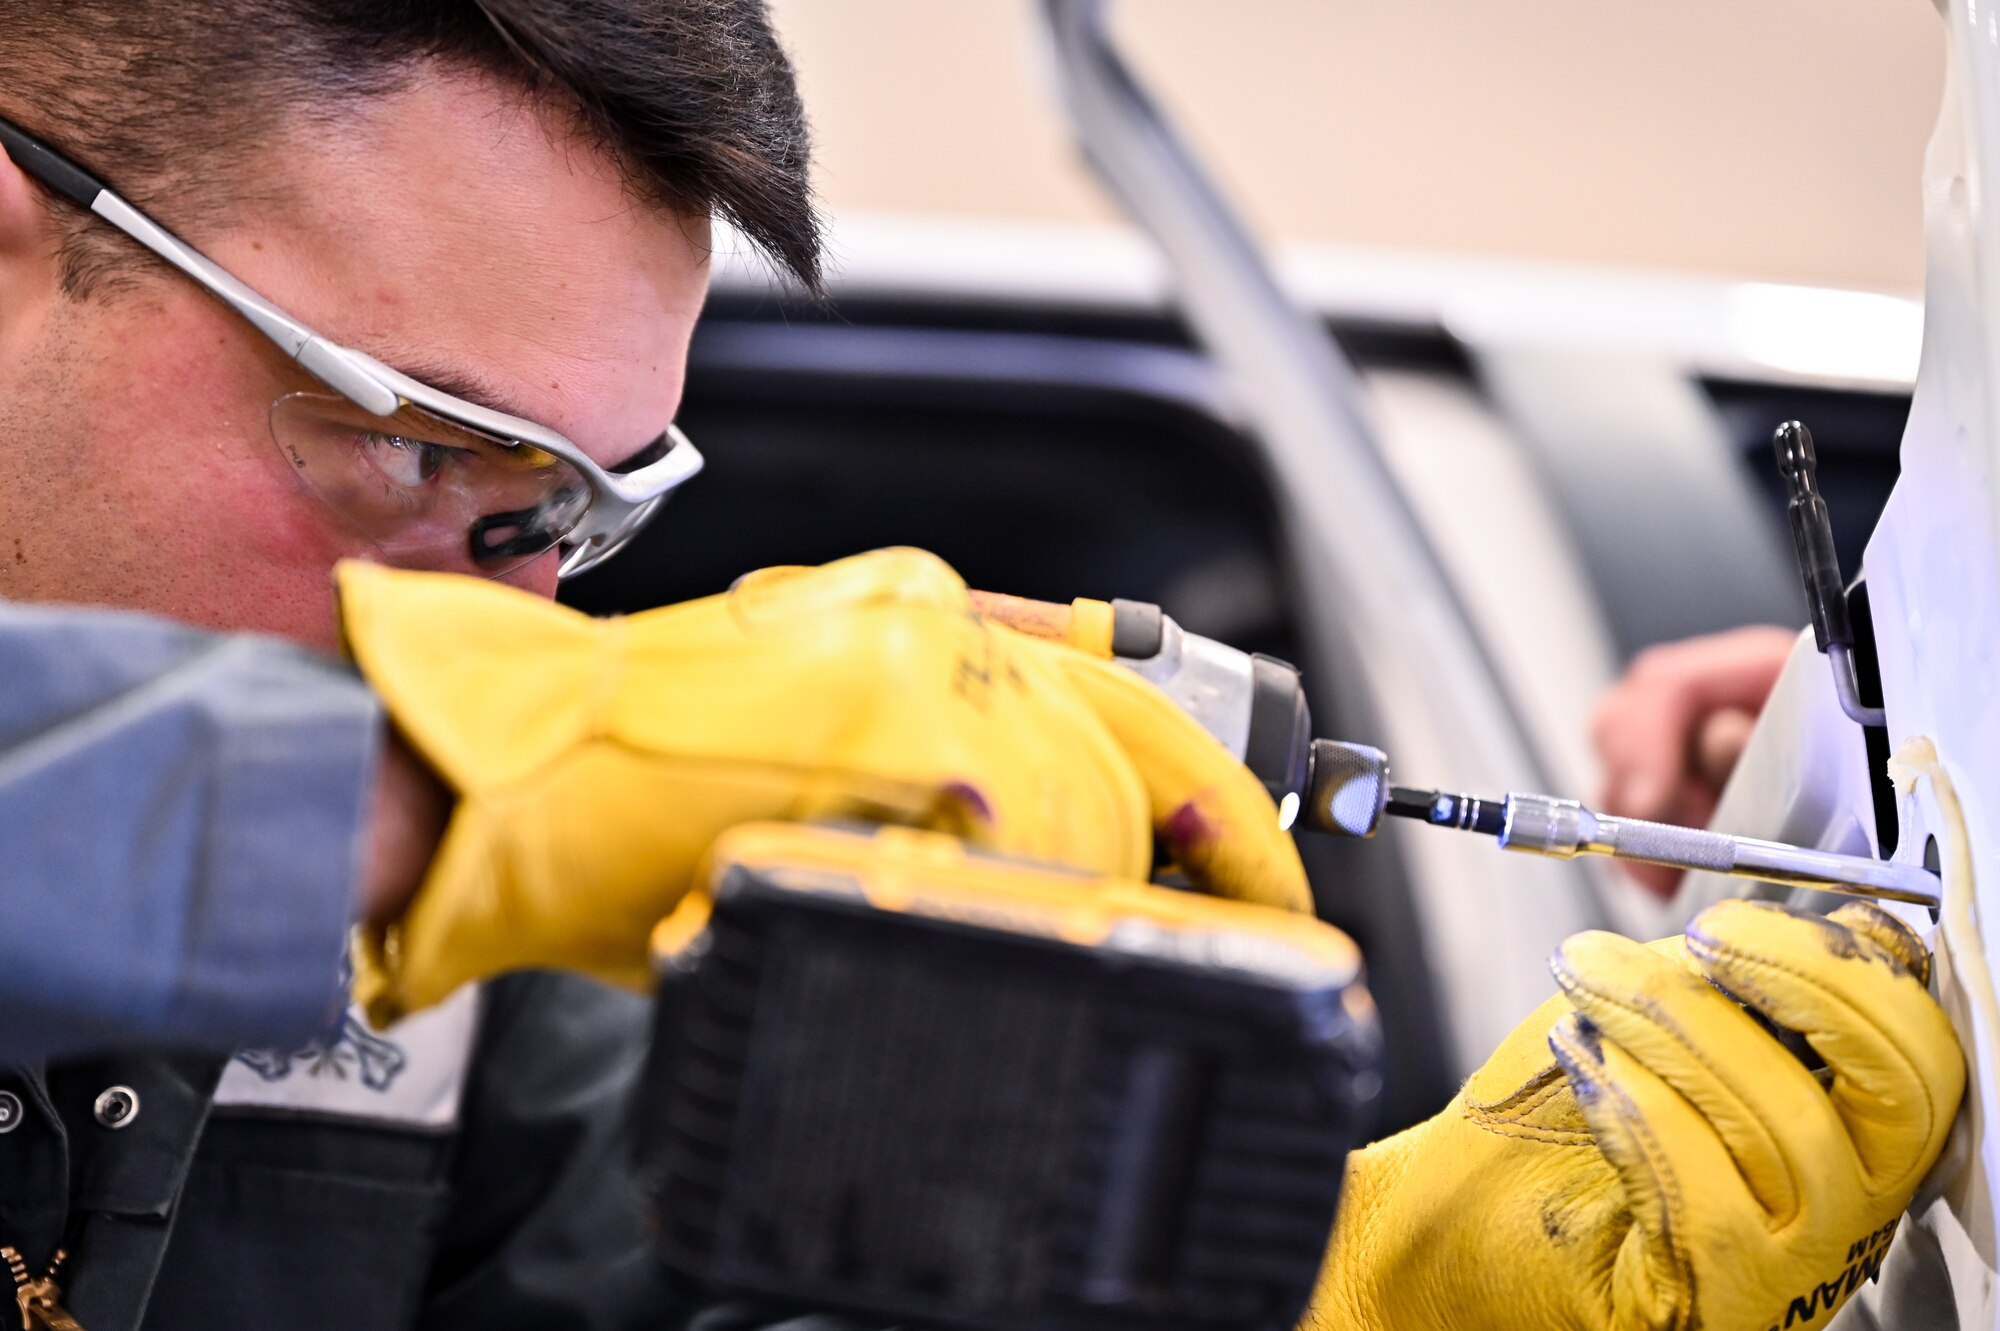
x=1933, y=569
x=1933, y=573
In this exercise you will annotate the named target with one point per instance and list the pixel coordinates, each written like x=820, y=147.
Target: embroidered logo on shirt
x=413, y=1077
x=351, y=1050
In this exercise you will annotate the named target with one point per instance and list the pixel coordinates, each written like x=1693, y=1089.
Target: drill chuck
x=1347, y=788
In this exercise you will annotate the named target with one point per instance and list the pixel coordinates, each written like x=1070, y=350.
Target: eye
x=404, y=461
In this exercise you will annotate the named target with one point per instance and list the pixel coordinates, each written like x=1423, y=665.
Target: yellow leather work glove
x=1680, y=1168
x=595, y=760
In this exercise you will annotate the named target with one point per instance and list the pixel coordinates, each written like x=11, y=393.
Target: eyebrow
x=473, y=387
x=479, y=391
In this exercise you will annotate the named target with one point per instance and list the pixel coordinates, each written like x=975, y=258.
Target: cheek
x=189, y=509
x=190, y=438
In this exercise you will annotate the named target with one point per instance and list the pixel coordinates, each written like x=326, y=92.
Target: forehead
x=464, y=228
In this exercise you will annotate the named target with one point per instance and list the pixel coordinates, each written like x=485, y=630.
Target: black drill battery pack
x=894, y=1079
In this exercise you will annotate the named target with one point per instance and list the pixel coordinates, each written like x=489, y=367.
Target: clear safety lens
x=426, y=493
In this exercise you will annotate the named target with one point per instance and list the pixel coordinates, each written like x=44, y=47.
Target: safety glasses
x=427, y=479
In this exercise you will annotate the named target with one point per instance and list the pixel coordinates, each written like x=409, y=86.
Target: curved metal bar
x=1847, y=688
x=1404, y=653
x=1299, y=391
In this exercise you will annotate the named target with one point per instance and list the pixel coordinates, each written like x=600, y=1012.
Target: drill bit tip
x=1441, y=808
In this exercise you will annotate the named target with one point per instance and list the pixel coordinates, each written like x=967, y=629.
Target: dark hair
x=694, y=98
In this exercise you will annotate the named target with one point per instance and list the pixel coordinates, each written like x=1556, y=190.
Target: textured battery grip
x=911, y=1084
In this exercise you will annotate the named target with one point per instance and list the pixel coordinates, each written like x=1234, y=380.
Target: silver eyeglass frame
x=621, y=503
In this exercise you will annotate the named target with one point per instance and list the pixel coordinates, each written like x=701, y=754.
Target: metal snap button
x=11, y=1112
x=117, y=1107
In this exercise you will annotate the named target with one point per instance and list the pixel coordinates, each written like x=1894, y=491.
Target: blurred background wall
x=1775, y=139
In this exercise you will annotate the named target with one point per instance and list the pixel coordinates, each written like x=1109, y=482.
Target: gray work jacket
x=179, y=832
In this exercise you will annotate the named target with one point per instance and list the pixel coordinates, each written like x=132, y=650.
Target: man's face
x=452, y=231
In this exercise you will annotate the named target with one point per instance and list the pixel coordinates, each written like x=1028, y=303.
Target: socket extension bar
x=1564, y=829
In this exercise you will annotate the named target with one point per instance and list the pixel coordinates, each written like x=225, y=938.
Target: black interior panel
x=1046, y=492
